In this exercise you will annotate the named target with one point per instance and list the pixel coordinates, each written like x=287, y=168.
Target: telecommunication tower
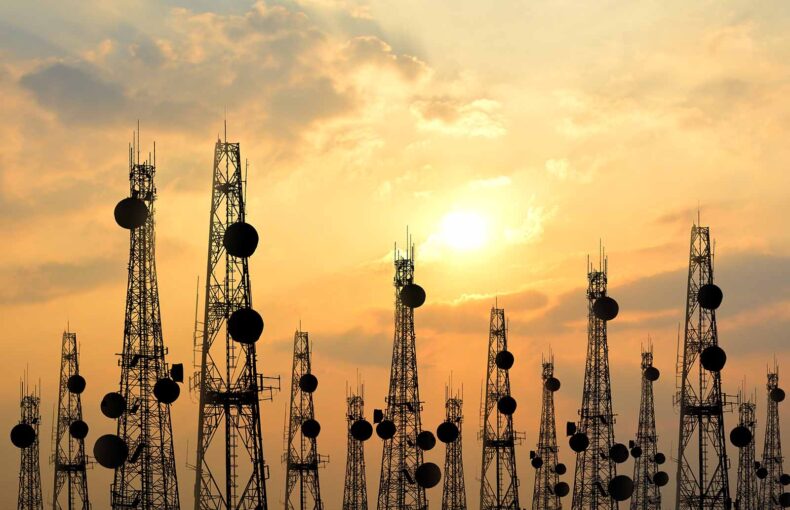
x=595, y=467
x=147, y=480
x=646, y=494
x=302, y=460
x=499, y=480
x=400, y=457
x=544, y=495
x=454, y=489
x=771, y=485
x=69, y=458
x=355, y=492
x=230, y=387
x=702, y=481
x=29, y=497
x=746, y=497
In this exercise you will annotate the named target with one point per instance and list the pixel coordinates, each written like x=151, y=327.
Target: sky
x=511, y=138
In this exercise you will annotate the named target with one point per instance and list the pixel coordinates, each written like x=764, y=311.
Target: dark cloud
x=23, y=44
x=302, y=104
x=357, y=347
x=33, y=284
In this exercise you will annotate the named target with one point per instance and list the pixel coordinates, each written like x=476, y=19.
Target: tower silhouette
x=147, y=480
x=746, y=497
x=702, y=481
x=771, y=485
x=355, y=492
x=546, y=476
x=230, y=387
x=499, y=480
x=646, y=494
x=71, y=483
x=400, y=457
x=594, y=466
x=29, y=497
x=454, y=489
x=302, y=460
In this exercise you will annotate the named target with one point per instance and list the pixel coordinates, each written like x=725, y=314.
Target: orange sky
x=510, y=138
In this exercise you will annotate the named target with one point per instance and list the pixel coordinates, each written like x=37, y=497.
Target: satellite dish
x=605, y=308
x=385, y=429
x=709, y=296
x=245, y=325
x=784, y=479
x=636, y=452
x=537, y=462
x=579, y=442
x=784, y=499
x=762, y=473
x=361, y=430
x=618, y=453
x=113, y=405
x=777, y=395
x=311, y=428
x=23, y=435
x=506, y=405
x=652, y=374
x=426, y=440
x=110, y=451
x=308, y=383
x=661, y=478
x=659, y=458
x=166, y=390
x=412, y=295
x=740, y=436
x=504, y=360
x=78, y=429
x=240, y=239
x=561, y=489
x=131, y=213
x=552, y=384
x=560, y=469
x=76, y=384
x=621, y=487
x=713, y=358
x=428, y=475
x=447, y=432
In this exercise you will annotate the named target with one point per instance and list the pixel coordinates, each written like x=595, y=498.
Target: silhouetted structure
x=355, y=492
x=702, y=481
x=594, y=467
x=454, y=489
x=302, y=460
x=147, y=480
x=746, y=497
x=646, y=493
x=546, y=476
x=400, y=457
x=771, y=486
x=228, y=381
x=29, y=497
x=499, y=480
x=70, y=461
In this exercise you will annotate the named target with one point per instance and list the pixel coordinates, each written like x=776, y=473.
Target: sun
x=464, y=230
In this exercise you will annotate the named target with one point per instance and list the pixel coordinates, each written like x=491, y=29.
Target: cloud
x=365, y=50
x=358, y=347
x=494, y=182
x=477, y=118
x=564, y=171
x=44, y=282
x=531, y=228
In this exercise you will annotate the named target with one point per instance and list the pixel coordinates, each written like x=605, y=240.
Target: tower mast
x=454, y=489
x=29, y=497
x=747, y=496
x=355, y=492
x=646, y=494
x=544, y=493
x=771, y=485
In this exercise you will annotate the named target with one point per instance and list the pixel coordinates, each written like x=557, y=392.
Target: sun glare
x=464, y=230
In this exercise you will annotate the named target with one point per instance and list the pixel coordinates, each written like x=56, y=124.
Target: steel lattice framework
x=230, y=387
x=355, y=492
x=302, y=460
x=400, y=455
x=71, y=482
x=746, y=497
x=646, y=495
x=594, y=467
x=702, y=482
x=770, y=486
x=499, y=480
x=29, y=497
x=454, y=488
x=147, y=480
x=546, y=477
